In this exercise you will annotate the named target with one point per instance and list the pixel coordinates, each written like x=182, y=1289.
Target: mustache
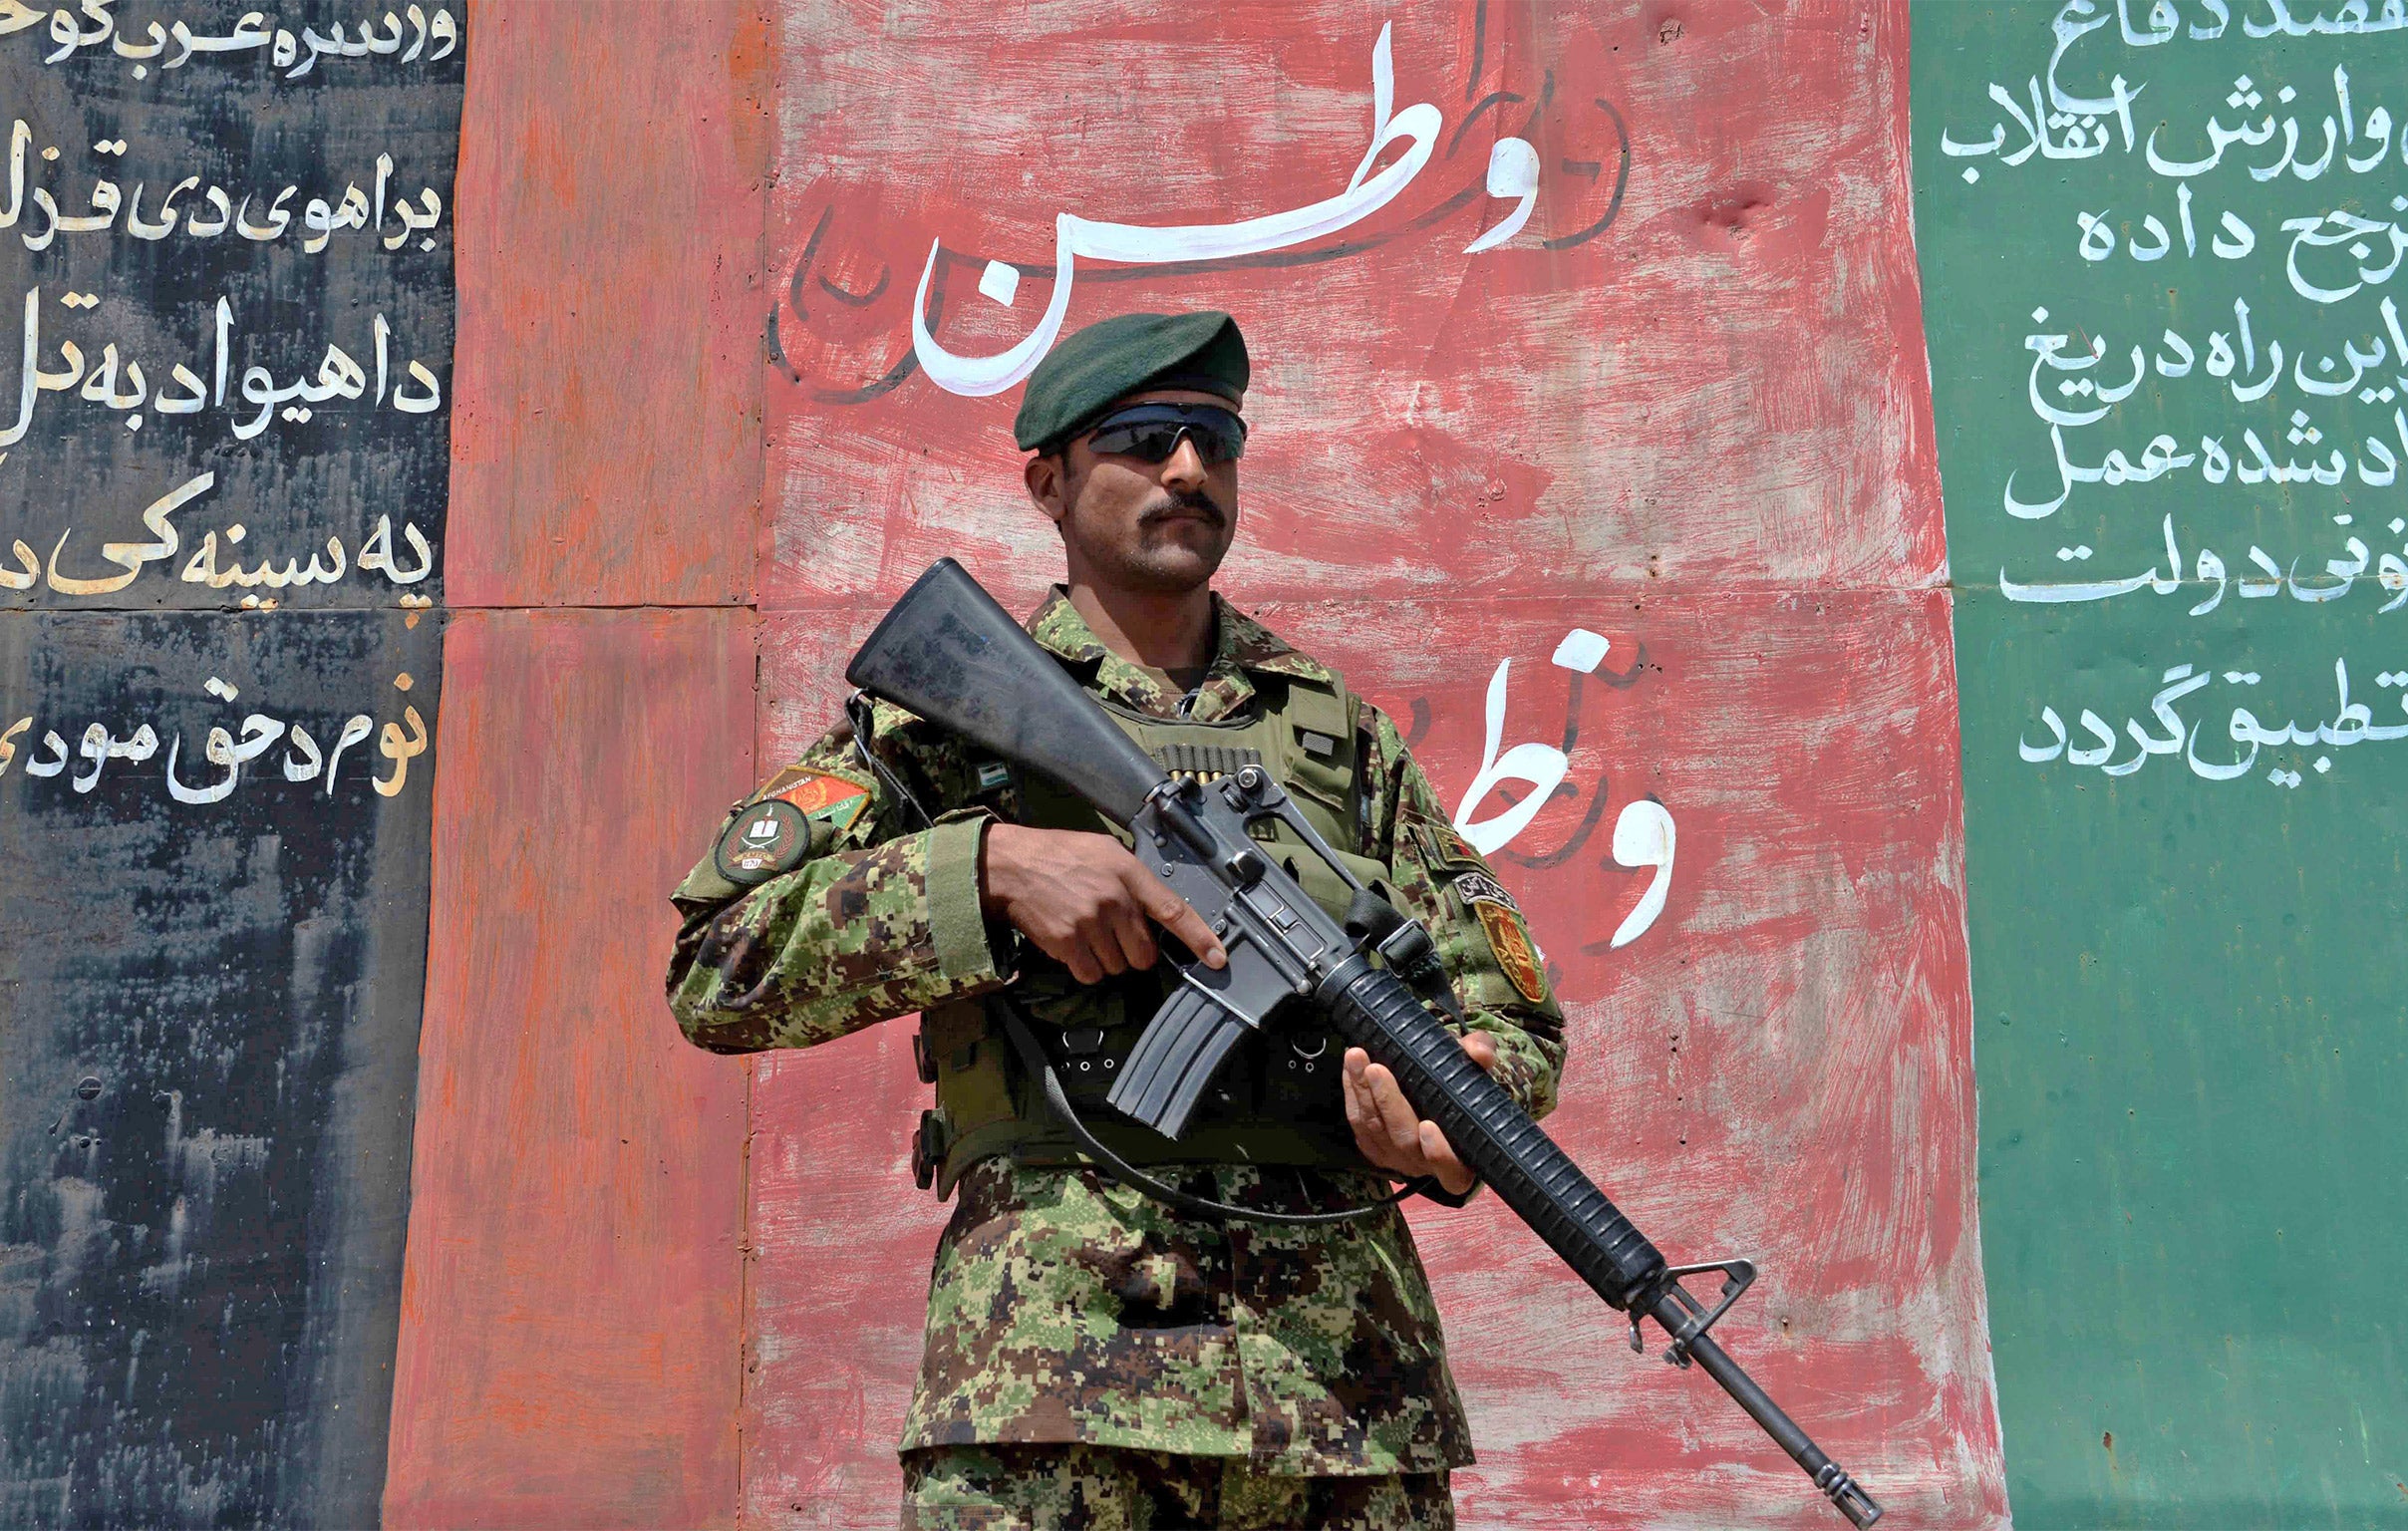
x=1185, y=502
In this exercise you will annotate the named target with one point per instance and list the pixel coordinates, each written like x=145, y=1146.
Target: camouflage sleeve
x=1497, y=972
x=883, y=921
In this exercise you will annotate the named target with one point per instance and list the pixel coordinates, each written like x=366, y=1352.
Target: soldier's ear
x=1048, y=479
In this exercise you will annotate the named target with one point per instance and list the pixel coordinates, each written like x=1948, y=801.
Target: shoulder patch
x=1480, y=888
x=1518, y=959
x=785, y=779
x=801, y=811
x=1442, y=847
x=762, y=841
x=826, y=797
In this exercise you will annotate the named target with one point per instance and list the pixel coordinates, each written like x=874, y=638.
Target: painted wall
x=2167, y=366
x=571, y=1342
x=1678, y=408
x=1489, y=452
x=1594, y=436
x=226, y=257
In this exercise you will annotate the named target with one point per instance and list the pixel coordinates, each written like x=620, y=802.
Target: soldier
x=1098, y=1356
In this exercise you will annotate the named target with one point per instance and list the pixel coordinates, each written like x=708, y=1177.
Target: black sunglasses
x=1150, y=432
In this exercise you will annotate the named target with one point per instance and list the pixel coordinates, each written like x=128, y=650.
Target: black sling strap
x=1040, y=1068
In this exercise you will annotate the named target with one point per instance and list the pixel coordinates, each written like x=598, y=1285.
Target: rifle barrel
x=1842, y=1491
x=1374, y=1010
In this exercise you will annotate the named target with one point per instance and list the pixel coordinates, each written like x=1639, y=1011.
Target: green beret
x=1112, y=358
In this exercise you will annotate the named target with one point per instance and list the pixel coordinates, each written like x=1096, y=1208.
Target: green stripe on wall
x=2190, y=988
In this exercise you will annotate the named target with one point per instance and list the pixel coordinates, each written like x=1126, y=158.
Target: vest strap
x=1276, y=1109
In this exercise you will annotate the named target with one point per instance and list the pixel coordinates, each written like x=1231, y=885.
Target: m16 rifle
x=949, y=654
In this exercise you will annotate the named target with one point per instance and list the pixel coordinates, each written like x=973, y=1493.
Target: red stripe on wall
x=570, y=1350
x=569, y=1304
x=606, y=419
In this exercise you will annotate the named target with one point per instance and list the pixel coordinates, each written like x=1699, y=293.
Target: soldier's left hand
x=1390, y=1133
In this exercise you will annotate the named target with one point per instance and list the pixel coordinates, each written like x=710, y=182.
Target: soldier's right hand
x=1085, y=900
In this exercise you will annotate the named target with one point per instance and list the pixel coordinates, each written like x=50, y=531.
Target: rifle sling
x=1041, y=1068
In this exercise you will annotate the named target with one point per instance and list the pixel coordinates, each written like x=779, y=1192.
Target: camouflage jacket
x=1065, y=1305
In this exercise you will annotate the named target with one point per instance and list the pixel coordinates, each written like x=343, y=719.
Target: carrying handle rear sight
x=951, y=655
x=1258, y=794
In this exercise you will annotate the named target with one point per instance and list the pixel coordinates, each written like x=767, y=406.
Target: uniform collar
x=1243, y=648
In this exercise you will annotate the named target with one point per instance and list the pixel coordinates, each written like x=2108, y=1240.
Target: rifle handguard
x=1490, y=1132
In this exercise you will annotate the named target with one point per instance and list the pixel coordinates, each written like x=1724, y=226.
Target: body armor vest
x=1277, y=1099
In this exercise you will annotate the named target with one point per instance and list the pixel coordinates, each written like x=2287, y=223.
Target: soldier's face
x=1161, y=527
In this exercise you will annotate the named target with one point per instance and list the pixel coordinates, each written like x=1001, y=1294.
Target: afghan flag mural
x=1880, y=523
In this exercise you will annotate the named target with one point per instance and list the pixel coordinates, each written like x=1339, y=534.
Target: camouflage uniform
x=1066, y=1307
x=1085, y=1488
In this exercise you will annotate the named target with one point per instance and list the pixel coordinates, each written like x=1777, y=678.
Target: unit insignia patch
x=1515, y=955
x=802, y=811
x=1480, y=888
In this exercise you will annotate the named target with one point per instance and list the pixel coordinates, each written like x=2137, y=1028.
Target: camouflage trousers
x=1101, y=1488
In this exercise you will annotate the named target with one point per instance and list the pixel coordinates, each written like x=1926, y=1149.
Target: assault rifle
x=949, y=654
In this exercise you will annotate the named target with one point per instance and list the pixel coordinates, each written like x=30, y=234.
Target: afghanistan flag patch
x=830, y=799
